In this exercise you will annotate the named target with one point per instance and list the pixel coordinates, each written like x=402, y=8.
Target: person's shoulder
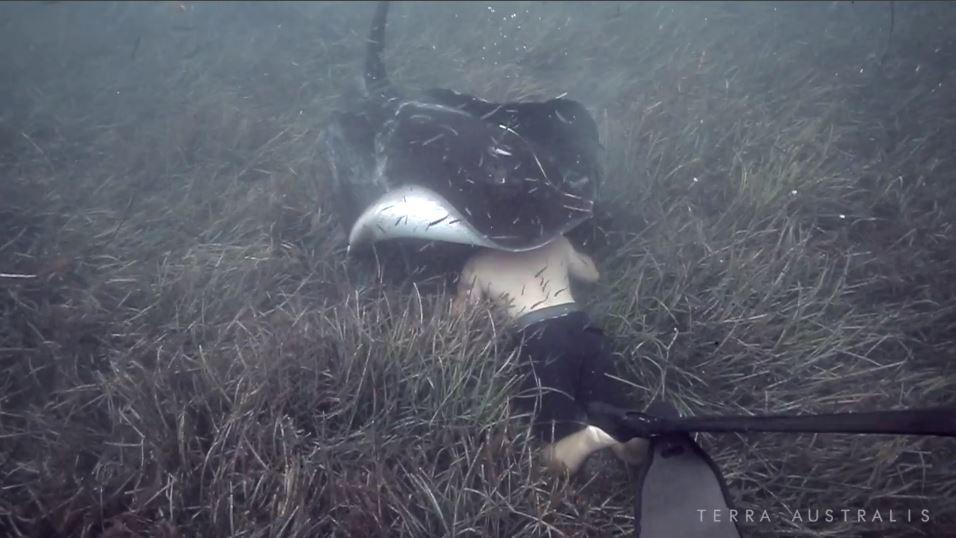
x=476, y=260
x=563, y=245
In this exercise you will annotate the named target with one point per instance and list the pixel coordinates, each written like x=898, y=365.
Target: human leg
x=550, y=381
x=600, y=382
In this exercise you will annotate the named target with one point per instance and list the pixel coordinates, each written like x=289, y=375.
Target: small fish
x=492, y=113
x=439, y=136
x=434, y=222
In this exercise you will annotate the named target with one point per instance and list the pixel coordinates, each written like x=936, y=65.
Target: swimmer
x=566, y=359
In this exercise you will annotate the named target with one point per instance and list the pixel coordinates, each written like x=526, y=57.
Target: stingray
x=442, y=166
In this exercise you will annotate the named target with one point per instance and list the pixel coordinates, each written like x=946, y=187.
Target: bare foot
x=632, y=452
x=567, y=455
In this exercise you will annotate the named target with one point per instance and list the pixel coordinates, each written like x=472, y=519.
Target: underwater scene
x=301, y=269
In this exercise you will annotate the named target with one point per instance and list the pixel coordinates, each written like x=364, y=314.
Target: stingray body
x=442, y=166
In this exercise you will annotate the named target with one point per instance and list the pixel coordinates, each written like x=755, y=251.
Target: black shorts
x=566, y=363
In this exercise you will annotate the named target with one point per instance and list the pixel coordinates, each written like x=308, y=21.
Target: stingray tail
x=376, y=80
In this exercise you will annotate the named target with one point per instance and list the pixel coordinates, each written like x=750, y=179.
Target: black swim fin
x=680, y=491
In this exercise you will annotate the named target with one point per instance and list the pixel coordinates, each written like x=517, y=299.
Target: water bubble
x=842, y=216
x=793, y=192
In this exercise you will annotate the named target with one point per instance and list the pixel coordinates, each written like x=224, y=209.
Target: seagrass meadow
x=185, y=349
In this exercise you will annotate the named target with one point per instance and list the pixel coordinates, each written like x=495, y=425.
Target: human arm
x=468, y=291
x=580, y=265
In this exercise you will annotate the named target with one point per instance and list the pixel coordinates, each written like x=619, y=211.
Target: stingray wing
x=512, y=189
x=563, y=126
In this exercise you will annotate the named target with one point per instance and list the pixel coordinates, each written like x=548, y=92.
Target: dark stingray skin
x=520, y=172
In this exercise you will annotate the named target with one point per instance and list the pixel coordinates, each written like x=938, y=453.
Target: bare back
x=522, y=282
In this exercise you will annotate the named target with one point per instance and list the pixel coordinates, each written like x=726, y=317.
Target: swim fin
x=680, y=491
